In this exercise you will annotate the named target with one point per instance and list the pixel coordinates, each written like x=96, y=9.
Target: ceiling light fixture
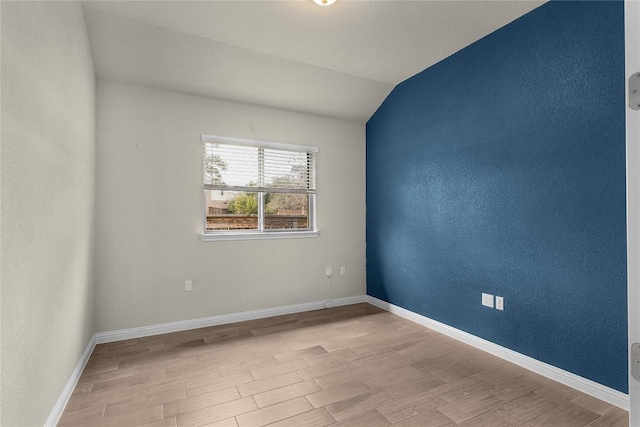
x=324, y=2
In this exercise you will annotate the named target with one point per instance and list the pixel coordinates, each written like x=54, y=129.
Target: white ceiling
x=339, y=61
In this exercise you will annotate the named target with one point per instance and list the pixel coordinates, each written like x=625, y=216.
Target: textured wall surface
x=48, y=149
x=502, y=170
x=150, y=205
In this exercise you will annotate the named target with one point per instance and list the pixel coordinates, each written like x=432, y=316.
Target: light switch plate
x=487, y=300
x=634, y=91
x=635, y=361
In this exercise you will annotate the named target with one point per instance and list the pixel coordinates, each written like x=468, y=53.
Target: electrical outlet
x=487, y=300
x=343, y=270
x=188, y=285
x=328, y=272
x=499, y=303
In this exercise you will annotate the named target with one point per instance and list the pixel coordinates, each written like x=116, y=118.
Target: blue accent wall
x=501, y=169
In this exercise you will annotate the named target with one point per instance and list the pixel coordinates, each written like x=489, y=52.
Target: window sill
x=258, y=236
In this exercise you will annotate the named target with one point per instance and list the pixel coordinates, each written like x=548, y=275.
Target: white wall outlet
x=499, y=303
x=188, y=285
x=328, y=271
x=487, y=300
x=343, y=270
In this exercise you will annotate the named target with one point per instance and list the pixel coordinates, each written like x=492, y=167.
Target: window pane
x=231, y=210
x=285, y=211
x=230, y=165
x=287, y=169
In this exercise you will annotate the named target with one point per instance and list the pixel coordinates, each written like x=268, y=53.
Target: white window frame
x=260, y=233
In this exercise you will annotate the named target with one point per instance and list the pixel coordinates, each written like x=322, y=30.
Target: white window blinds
x=256, y=166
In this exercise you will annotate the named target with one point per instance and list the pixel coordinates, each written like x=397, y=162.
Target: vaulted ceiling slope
x=339, y=61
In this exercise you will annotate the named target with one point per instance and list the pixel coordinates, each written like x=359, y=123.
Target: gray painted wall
x=48, y=166
x=149, y=211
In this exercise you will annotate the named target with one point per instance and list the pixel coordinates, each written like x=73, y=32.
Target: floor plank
x=274, y=413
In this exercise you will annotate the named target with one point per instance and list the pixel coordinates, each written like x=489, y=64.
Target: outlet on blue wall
x=501, y=169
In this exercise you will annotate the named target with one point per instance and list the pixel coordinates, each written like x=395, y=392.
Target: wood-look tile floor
x=347, y=366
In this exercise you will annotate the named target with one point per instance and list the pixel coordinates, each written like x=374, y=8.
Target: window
x=256, y=189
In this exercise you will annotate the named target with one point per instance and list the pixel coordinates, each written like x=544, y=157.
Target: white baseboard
x=58, y=408
x=184, y=325
x=577, y=382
